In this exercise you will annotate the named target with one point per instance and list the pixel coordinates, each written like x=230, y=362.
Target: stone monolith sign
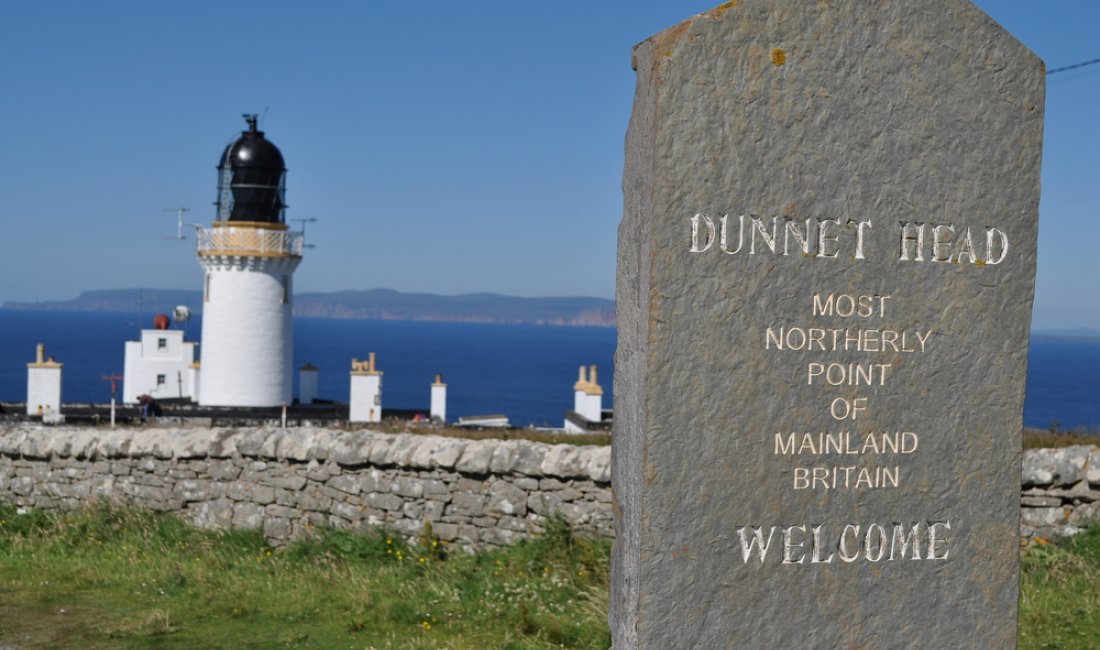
x=826, y=270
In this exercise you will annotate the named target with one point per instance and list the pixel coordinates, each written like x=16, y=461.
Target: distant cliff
x=135, y=300
x=386, y=304
x=371, y=304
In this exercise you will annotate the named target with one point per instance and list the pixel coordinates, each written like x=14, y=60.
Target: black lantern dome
x=251, y=179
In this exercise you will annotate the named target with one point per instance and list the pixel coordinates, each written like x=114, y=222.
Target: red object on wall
x=160, y=321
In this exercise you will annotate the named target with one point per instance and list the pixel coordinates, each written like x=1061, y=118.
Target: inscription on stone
x=826, y=269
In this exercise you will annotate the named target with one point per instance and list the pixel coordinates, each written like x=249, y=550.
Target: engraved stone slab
x=826, y=270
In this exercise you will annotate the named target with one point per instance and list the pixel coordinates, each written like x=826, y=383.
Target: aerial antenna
x=303, y=230
x=263, y=118
x=180, y=224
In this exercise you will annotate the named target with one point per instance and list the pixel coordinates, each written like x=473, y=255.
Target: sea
x=525, y=372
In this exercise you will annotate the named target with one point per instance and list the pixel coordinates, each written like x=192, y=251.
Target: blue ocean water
x=526, y=372
x=1063, y=384
x=523, y=371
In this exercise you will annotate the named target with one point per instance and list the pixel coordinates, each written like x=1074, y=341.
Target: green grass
x=125, y=578
x=1060, y=594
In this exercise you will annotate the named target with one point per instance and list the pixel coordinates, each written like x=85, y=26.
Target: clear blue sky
x=445, y=147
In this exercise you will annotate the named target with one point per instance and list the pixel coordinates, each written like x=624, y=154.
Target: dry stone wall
x=1061, y=491
x=286, y=482
x=475, y=493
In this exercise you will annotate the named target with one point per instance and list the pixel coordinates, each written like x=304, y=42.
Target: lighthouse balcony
x=238, y=241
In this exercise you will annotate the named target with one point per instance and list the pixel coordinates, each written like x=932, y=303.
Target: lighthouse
x=249, y=256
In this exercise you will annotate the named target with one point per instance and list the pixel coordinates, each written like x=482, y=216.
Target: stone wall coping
x=304, y=444
x=1063, y=466
x=1060, y=467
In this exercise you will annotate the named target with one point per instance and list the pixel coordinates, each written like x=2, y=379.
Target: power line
x=1074, y=66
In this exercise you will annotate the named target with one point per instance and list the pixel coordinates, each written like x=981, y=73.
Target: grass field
x=1060, y=594
x=124, y=578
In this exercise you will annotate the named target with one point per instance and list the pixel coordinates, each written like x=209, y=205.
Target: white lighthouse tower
x=249, y=257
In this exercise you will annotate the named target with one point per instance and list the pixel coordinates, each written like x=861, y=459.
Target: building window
x=206, y=292
x=286, y=289
x=160, y=380
x=162, y=344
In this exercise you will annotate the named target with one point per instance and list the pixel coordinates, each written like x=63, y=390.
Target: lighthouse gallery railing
x=230, y=240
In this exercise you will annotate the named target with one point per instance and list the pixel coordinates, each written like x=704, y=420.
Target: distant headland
x=370, y=304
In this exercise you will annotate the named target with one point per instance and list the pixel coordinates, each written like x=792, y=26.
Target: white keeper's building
x=159, y=365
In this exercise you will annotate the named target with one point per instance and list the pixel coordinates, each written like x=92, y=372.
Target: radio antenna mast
x=303, y=223
x=179, y=223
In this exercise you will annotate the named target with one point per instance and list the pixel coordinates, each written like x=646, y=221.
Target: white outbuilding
x=438, y=404
x=365, y=401
x=587, y=402
x=43, y=385
x=159, y=364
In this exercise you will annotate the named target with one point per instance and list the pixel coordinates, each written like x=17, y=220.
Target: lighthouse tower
x=249, y=257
